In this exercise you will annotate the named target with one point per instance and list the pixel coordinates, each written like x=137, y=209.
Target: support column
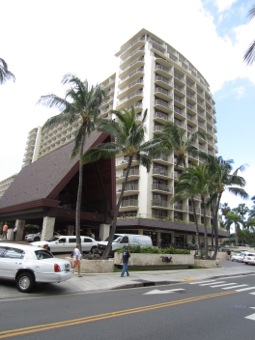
x=47, y=227
x=104, y=231
x=159, y=239
x=70, y=229
x=20, y=225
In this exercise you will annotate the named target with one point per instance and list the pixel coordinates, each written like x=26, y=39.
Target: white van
x=65, y=244
x=122, y=240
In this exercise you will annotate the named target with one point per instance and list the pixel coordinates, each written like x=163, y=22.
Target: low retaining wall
x=145, y=260
x=206, y=263
x=140, y=259
x=96, y=266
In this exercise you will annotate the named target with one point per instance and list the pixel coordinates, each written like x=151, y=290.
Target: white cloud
x=232, y=200
x=224, y=5
x=239, y=91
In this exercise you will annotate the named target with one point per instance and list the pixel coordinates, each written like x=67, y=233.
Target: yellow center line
x=109, y=315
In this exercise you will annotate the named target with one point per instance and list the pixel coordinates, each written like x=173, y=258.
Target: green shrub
x=153, y=250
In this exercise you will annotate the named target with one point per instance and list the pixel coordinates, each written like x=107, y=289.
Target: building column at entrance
x=48, y=227
x=104, y=231
x=20, y=224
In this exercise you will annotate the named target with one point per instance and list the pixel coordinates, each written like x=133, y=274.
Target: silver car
x=28, y=265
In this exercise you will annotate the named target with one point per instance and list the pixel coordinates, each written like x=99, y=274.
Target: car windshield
x=54, y=238
x=115, y=238
x=43, y=254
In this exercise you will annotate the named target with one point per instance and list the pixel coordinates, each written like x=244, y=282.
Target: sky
x=43, y=40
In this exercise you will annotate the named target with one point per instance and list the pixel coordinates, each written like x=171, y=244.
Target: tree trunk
x=116, y=213
x=205, y=233
x=79, y=195
x=197, y=230
x=215, y=226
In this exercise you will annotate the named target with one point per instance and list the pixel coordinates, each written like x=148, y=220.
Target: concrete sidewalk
x=108, y=281
x=99, y=282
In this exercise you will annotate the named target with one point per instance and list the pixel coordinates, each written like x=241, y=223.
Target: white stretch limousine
x=65, y=244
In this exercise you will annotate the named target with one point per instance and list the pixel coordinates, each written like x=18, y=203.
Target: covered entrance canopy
x=48, y=187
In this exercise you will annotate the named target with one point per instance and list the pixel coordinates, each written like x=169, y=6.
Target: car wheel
x=25, y=282
x=94, y=250
x=37, y=238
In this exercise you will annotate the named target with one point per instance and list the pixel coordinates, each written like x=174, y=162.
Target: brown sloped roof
x=37, y=181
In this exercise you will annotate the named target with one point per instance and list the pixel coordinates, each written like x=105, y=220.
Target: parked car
x=28, y=265
x=238, y=257
x=249, y=258
x=122, y=240
x=66, y=244
x=37, y=236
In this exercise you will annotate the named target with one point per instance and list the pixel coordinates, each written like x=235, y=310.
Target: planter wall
x=97, y=266
x=155, y=259
x=206, y=263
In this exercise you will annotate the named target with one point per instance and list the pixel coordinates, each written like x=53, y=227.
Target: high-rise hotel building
x=151, y=75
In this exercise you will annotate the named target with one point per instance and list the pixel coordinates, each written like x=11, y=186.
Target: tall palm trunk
x=236, y=233
x=205, y=227
x=215, y=226
x=79, y=193
x=197, y=230
x=116, y=212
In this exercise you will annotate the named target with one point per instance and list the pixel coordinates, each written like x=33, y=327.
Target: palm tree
x=250, y=53
x=234, y=218
x=5, y=74
x=252, y=210
x=222, y=179
x=81, y=104
x=173, y=139
x=128, y=139
x=194, y=181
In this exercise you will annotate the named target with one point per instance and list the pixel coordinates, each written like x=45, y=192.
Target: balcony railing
x=159, y=203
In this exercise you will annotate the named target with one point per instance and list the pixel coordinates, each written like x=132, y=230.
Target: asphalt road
x=211, y=309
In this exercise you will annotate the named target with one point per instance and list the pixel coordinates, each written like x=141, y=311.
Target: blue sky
x=45, y=39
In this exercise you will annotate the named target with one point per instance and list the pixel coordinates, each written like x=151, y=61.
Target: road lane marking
x=234, y=287
x=208, y=284
x=244, y=289
x=197, y=283
x=158, y=291
x=109, y=315
x=223, y=285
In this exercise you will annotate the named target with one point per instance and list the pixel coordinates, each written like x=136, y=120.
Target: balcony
x=163, y=82
x=160, y=172
x=137, y=63
x=133, y=86
x=161, y=187
x=129, y=203
x=130, y=99
x=161, y=117
x=159, y=203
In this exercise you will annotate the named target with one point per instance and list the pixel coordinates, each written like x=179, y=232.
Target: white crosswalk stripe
x=208, y=284
x=197, y=283
x=234, y=287
x=226, y=285
x=223, y=285
x=245, y=289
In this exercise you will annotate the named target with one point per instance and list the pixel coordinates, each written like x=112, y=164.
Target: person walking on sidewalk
x=5, y=231
x=125, y=258
x=77, y=255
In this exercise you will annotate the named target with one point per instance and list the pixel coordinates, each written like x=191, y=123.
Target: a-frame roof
x=38, y=183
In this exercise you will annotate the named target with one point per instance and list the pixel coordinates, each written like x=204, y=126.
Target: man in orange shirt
x=5, y=229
